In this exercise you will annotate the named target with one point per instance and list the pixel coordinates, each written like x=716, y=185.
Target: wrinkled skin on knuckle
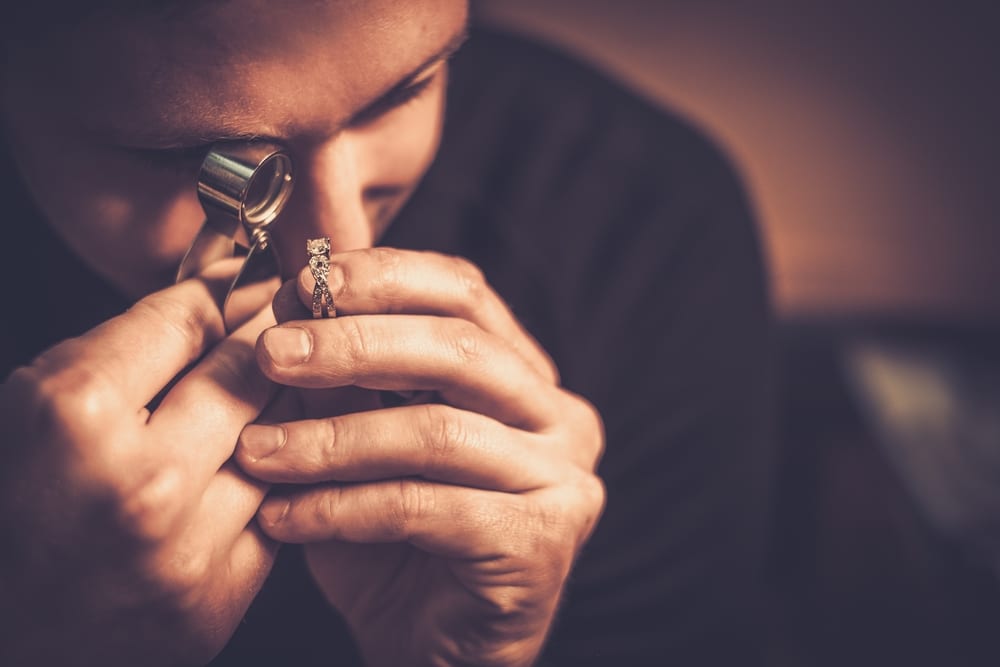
x=467, y=343
x=520, y=584
x=586, y=431
x=443, y=432
x=540, y=539
x=414, y=499
x=388, y=276
x=533, y=534
x=498, y=644
x=555, y=540
x=330, y=450
x=326, y=507
x=186, y=322
x=358, y=344
x=145, y=512
x=471, y=283
x=72, y=407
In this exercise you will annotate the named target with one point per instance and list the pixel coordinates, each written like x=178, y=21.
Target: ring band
x=319, y=266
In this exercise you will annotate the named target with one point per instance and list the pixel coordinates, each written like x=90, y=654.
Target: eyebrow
x=186, y=139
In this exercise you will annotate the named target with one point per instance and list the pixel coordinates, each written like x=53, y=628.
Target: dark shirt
x=622, y=239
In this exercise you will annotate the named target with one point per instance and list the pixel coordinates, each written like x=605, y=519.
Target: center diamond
x=318, y=246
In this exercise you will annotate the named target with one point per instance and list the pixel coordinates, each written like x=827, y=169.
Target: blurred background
x=864, y=132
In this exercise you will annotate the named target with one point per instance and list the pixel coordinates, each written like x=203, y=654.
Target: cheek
x=129, y=221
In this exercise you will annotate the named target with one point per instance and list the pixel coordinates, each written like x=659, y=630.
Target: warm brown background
x=865, y=133
x=864, y=130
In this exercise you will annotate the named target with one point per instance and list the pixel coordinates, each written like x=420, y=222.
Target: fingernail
x=274, y=510
x=335, y=279
x=259, y=441
x=288, y=346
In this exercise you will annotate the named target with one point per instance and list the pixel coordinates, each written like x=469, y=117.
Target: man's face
x=109, y=124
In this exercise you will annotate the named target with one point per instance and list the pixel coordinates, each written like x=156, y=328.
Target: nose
x=327, y=200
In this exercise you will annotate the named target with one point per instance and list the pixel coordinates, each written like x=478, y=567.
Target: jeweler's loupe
x=242, y=188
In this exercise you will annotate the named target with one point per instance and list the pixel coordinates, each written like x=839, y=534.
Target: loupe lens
x=268, y=189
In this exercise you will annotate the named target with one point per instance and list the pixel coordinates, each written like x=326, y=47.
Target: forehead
x=238, y=66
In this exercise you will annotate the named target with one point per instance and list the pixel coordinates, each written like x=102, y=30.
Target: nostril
x=379, y=192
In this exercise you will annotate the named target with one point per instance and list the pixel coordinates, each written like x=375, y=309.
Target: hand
x=443, y=532
x=126, y=536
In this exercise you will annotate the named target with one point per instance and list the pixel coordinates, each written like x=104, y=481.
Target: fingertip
x=259, y=441
x=288, y=305
x=264, y=361
x=305, y=285
x=273, y=514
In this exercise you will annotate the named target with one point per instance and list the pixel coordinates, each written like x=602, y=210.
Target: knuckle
x=360, y=345
x=547, y=539
x=589, y=426
x=330, y=446
x=325, y=507
x=552, y=521
x=470, y=280
x=444, y=433
x=467, y=342
x=574, y=517
x=186, y=321
x=594, y=494
x=183, y=572
x=142, y=513
x=74, y=402
x=414, y=500
x=388, y=278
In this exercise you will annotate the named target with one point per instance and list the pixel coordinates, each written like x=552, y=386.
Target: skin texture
x=443, y=532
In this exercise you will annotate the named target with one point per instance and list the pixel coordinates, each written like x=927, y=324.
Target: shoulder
x=535, y=136
x=566, y=187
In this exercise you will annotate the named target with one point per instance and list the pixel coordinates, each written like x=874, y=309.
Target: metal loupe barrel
x=247, y=183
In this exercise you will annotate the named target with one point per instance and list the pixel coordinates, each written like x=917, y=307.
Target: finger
x=287, y=305
x=445, y=520
x=245, y=568
x=197, y=423
x=432, y=441
x=470, y=368
x=389, y=280
x=251, y=557
x=140, y=351
x=224, y=510
x=449, y=521
x=221, y=542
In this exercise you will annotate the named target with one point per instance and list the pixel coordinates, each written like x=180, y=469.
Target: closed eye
x=395, y=98
x=183, y=157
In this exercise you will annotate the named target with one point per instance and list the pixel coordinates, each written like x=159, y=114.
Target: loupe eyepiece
x=247, y=183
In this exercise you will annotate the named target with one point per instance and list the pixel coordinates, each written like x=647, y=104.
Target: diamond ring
x=319, y=266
